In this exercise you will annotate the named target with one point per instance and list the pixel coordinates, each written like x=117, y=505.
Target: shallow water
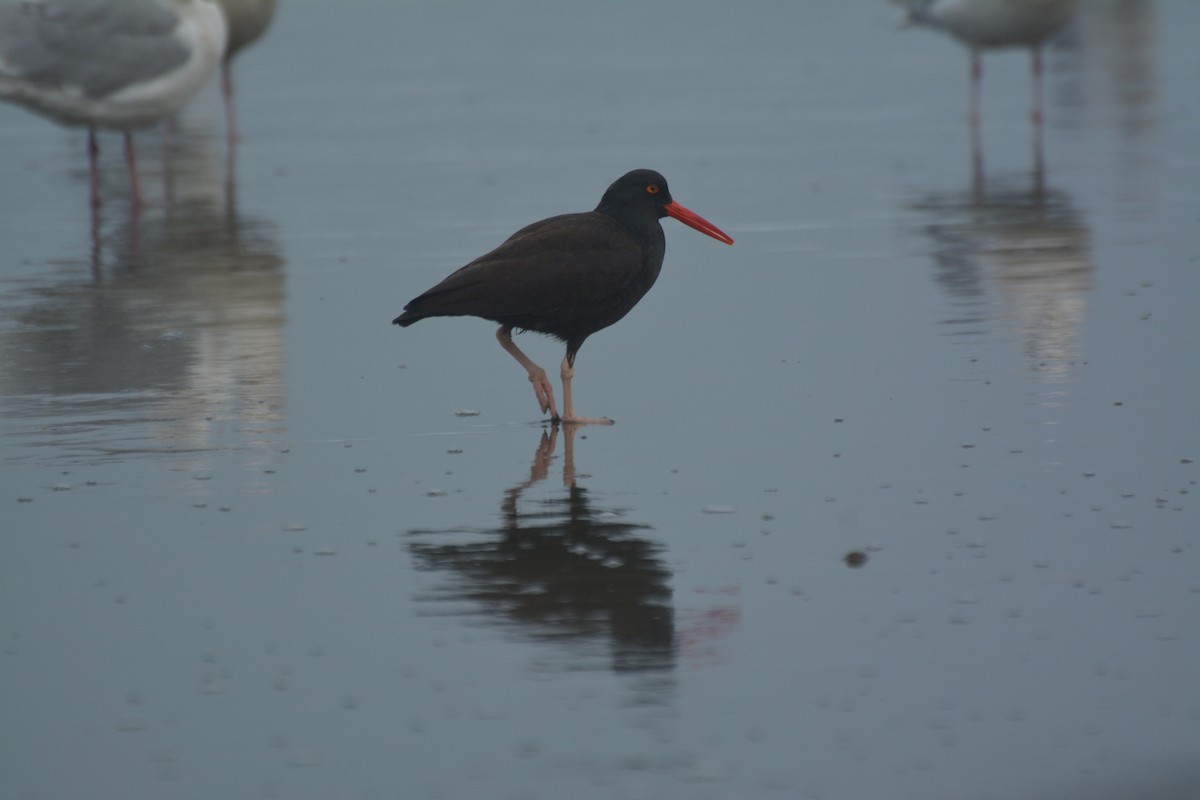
x=258, y=542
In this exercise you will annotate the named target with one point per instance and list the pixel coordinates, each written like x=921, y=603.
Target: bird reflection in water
x=1030, y=249
x=560, y=570
x=172, y=333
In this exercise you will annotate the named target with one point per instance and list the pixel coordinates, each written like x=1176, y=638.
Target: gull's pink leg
x=537, y=376
x=1039, y=153
x=1037, y=85
x=568, y=373
x=231, y=132
x=94, y=166
x=976, y=81
x=131, y=162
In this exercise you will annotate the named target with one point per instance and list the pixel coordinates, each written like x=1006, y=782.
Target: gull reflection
x=1024, y=253
x=171, y=335
x=562, y=571
x=1110, y=70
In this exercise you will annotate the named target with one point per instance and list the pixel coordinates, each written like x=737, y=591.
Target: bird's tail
x=408, y=318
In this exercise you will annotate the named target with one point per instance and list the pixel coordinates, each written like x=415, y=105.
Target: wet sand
x=899, y=500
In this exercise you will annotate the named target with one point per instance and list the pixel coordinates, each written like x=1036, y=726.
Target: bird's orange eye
x=652, y=189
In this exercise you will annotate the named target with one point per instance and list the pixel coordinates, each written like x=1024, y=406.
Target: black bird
x=567, y=276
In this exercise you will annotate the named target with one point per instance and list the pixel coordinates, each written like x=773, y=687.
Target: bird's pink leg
x=231, y=132
x=131, y=162
x=94, y=166
x=567, y=374
x=537, y=376
x=1037, y=85
x=976, y=82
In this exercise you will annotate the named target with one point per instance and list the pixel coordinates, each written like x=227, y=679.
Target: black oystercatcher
x=566, y=276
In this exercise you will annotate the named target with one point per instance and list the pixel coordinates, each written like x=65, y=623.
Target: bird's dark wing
x=545, y=272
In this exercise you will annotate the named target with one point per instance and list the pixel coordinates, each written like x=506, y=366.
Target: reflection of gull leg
x=1039, y=162
x=977, y=174
x=94, y=166
x=169, y=129
x=135, y=190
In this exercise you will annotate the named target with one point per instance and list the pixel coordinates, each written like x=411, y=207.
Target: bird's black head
x=642, y=195
x=643, y=192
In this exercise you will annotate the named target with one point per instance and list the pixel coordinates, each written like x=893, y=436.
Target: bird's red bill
x=694, y=220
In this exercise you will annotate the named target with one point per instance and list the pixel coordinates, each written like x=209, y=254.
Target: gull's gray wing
x=95, y=47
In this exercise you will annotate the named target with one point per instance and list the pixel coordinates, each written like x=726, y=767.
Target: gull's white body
x=121, y=64
x=993, y=23
x=247, y=20
x=113, y=64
